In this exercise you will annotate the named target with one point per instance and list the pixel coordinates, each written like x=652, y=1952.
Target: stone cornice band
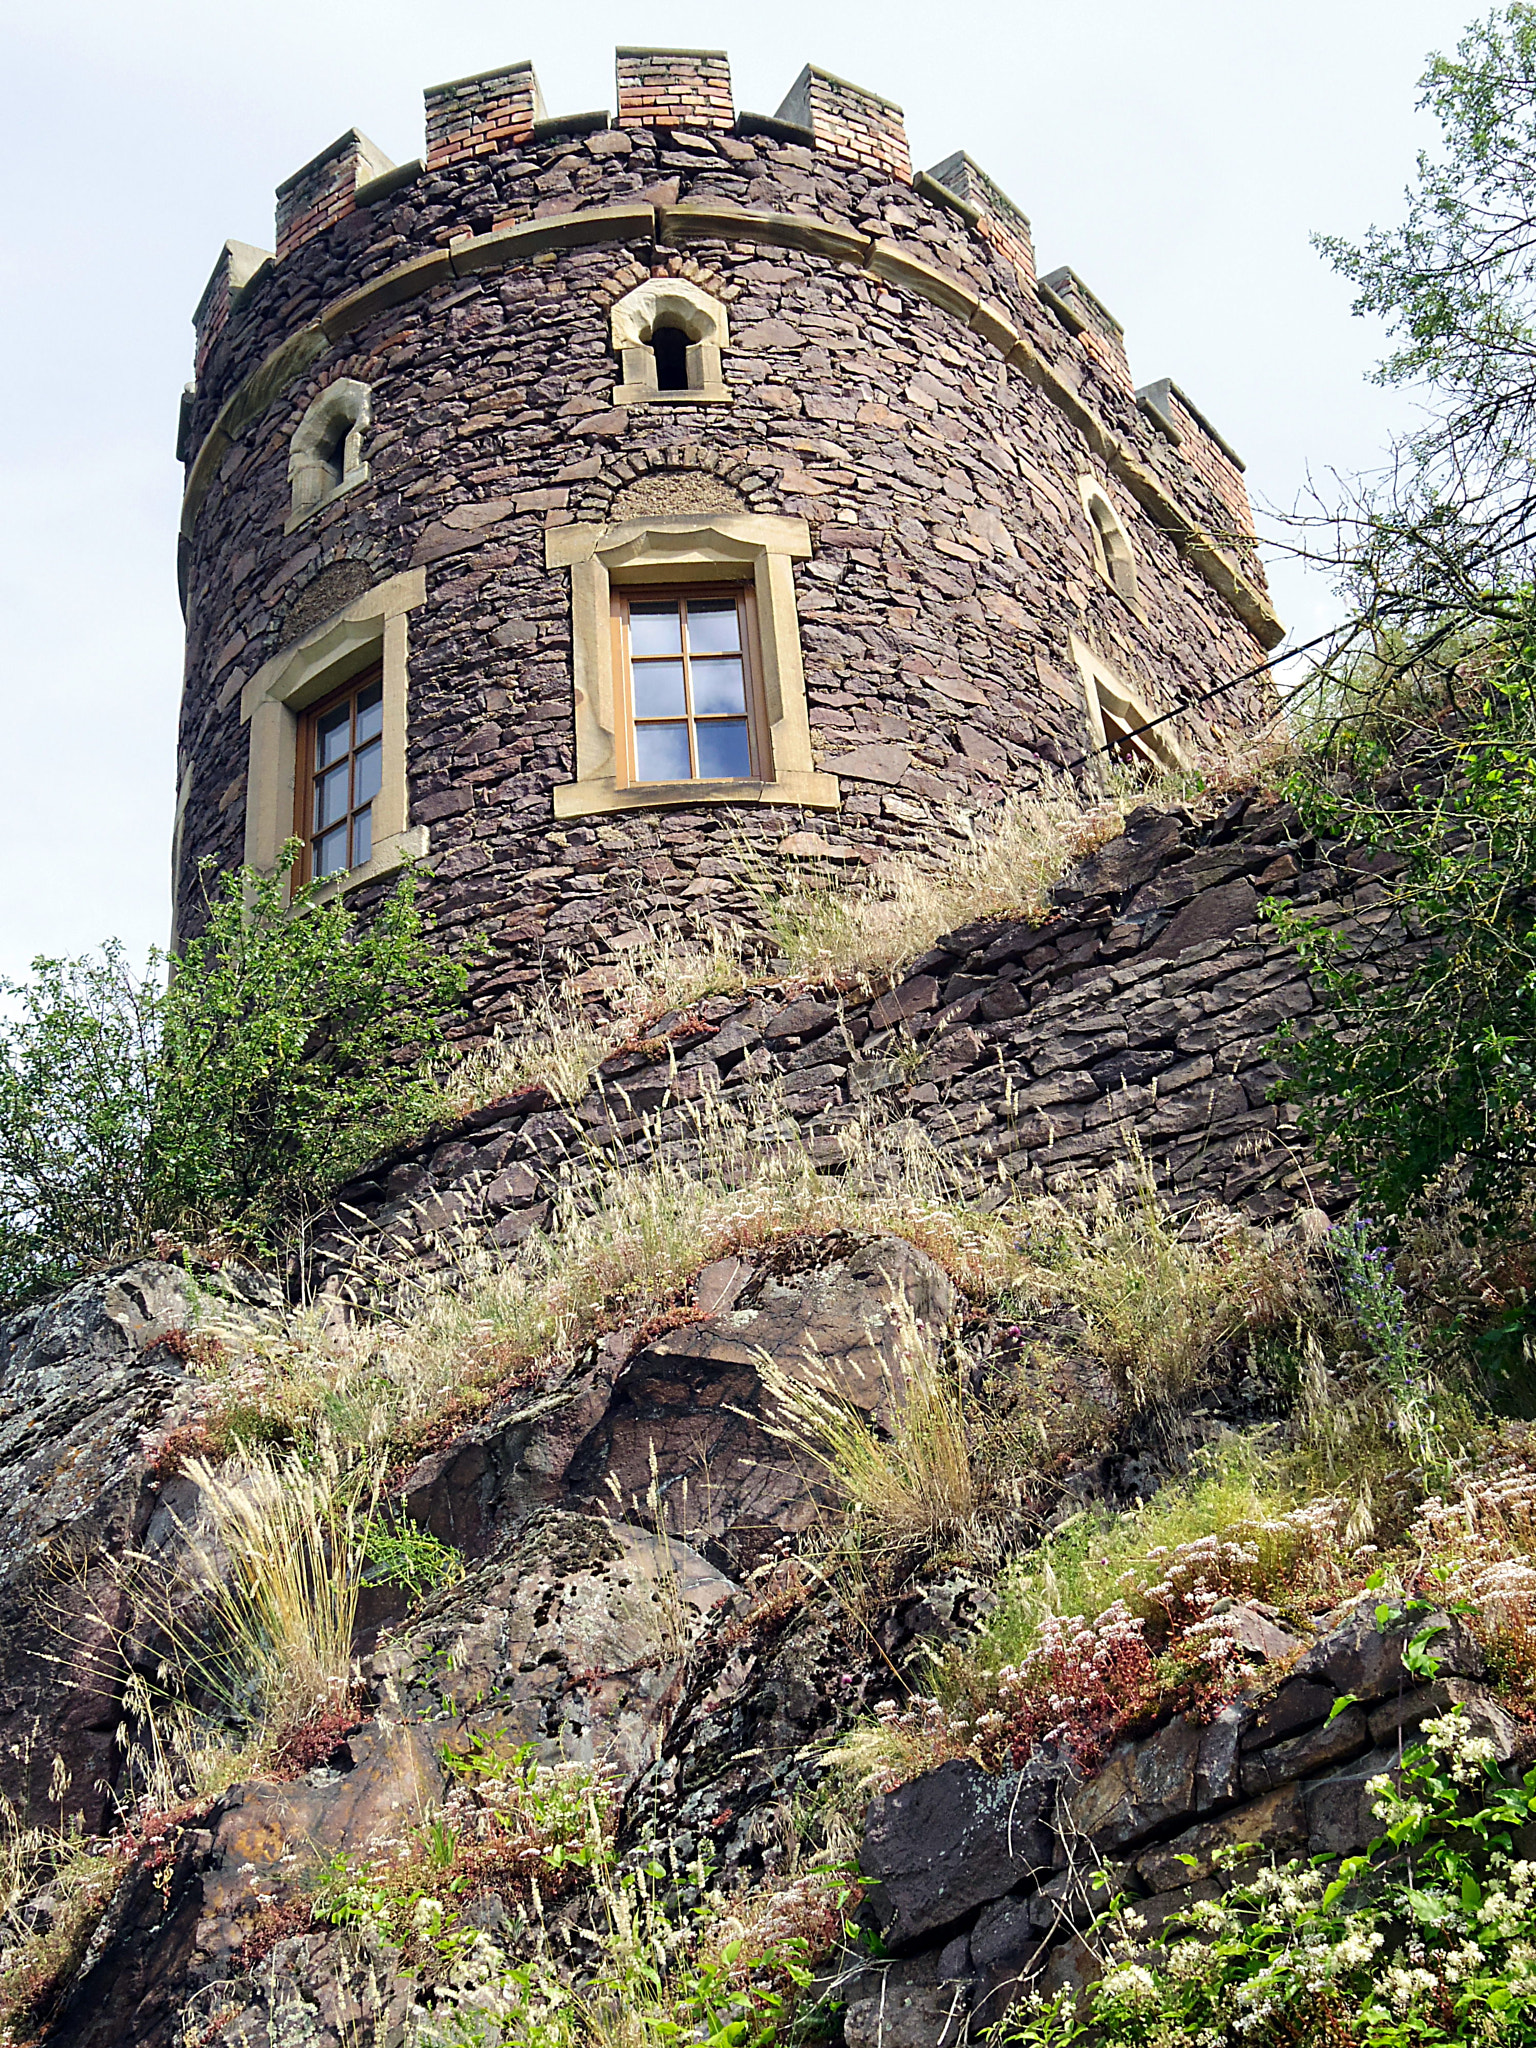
x=705, y=220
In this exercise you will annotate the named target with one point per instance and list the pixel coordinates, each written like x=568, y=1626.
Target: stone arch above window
x=325, y=456
x=669, y=333
x=1112, y=555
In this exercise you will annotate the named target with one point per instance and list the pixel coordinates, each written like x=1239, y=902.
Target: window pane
x=723, y=749
x=331, y=795
x=718, y=686
x=333, y=734
x=331, y=851
x=362, y=837
x=658, y=689
x=370, y=713
x=655, y=628
x=714, y=625
x=369, y=773
x=661, y=753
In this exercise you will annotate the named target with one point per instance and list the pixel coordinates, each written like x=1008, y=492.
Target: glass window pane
x=331, y=851
x=368, y=775
x=370, y=713
x=333, y=734
x=714, y=625
x=661, y=753
x=331, y=795
x=362, y=837
x=658, y=689
x=718, y=686
x=655, y=628
x=723, y=749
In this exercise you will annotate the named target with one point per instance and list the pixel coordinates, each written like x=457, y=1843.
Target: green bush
x=293, y=1048
x=1430, y=1062
x=285, y=1049
x=79, y=1052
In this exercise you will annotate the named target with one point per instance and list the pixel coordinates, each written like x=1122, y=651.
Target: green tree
x=287, y=1048
x=1431, y=1062
x=1447, y=535
x=79, y=1054
x=293, y=1048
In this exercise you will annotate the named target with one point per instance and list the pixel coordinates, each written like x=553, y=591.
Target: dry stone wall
x=1033, y=1056
x=872, y=395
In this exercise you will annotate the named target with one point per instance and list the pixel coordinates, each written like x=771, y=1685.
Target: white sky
x=1175, y=152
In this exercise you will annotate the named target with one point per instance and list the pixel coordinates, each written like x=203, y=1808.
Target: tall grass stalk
x=1161, y=1295
x=1006, y=867
x=268, y=1634
x=915, y=1484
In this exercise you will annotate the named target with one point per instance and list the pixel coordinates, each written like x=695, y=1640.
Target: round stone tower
x=597, y=495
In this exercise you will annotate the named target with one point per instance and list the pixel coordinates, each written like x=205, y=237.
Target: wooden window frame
x=304, y=779
x=759, y=745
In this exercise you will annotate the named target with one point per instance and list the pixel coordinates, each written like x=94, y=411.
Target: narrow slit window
x=692, y=711
x=342, y=772
x=669, y=345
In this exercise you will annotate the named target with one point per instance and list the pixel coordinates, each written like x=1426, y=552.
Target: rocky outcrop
x=982, y=1885
x=87, y=1375
x=609, y=1523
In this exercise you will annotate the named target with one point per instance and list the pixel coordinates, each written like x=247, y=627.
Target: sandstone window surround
x=1112, y=555
x=1120, y=721
x=669, y=334
x=369, y=632
x=730, y=548
x=325, y=456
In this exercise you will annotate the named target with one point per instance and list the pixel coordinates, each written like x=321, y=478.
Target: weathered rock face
x=692, y=1399
x=841, y=1314
x=570, y=1635
x=86, y=1375
x=983, y=1885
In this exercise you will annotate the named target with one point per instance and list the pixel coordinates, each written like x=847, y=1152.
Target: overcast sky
x=1176, y=153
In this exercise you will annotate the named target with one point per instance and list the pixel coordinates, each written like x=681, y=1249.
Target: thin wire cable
x=1220, y=689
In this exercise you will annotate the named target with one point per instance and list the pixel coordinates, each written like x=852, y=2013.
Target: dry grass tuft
x=1007, y=869
x=617, y=1252
x=1160, y=1295
x=257, y=1613
x=915, y=1486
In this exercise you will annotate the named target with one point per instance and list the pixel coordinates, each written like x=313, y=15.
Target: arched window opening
x=1112, y=555
x=669, y=333
x=1123, y=731
x=331, y=452
x=325, y=456
x=669, y=345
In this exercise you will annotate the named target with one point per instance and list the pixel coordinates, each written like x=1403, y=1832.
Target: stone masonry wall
x=951, y=557
x=1032, y=1056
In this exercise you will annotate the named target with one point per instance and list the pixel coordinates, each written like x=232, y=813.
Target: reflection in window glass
x=688, y=688
x=345, y=775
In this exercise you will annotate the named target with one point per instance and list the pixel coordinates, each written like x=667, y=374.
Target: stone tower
x=597, y=493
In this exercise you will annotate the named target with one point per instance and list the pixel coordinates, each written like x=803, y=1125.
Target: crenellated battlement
x=473, y=122
x=475, y=117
